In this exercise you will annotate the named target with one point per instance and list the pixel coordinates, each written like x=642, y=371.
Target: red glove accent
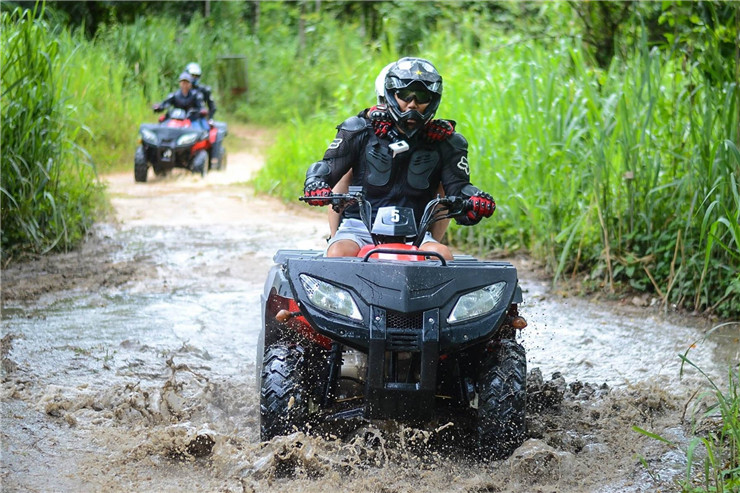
x=380, y=119
x=481, y=205
x=438, y=130
x=318, y=189
x=162, y=118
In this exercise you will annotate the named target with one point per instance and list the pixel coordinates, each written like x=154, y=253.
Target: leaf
x=652, y=435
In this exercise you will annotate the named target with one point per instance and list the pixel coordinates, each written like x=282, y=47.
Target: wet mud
x=130, y=366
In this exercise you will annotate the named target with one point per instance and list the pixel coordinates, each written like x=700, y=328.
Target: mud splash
x=189, y=427
x=130, y=366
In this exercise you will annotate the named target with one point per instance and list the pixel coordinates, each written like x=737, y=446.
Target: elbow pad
x=318, y=171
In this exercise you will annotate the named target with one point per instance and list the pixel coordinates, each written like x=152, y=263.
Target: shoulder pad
x=353, y=124
x=457, y=141
x=205, y=88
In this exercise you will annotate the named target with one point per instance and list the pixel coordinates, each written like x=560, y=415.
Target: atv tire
x=502, y=396
x=217, y=157
x=221, y=164
x=141, y=167
x=200, y=163
x=284, y=395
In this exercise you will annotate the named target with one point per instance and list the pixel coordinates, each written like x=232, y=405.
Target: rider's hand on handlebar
x=319, y=192
x=157, y=108
x=480, y=205
x=203, y=112
x=380, y=119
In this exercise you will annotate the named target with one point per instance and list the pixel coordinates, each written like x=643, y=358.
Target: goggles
x=422, y=96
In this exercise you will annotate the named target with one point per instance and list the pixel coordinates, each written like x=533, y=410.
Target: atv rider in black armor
x=399, y=155
x=194, y=70
x=187, y=99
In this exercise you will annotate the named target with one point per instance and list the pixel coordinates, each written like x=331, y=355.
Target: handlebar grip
x=457, y=205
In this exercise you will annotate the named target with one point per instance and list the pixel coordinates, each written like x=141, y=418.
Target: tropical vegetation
x=607, y=132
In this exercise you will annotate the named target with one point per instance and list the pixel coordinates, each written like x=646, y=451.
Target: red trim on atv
x=391, y=256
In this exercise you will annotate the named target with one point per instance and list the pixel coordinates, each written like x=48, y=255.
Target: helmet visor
x=422, y=96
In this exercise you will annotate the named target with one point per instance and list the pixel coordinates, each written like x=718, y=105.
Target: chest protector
x=185, y=102
x=379, y=159
x=379, y=162
x=421, y=166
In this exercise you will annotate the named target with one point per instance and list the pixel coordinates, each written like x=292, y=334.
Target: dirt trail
x=129, y=366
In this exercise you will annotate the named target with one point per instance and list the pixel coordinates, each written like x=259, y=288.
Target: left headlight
x=329, y=297
x=187, y=139
x=477, y=303
x=148, y=136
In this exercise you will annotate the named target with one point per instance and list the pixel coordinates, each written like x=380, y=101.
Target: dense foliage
x=49, y=192
x=607, y=132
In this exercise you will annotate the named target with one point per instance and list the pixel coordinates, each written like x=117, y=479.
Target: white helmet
x=380, y=83
x=194, y=70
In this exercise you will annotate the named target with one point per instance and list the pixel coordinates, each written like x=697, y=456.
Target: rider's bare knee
x=343, y=248
x=438, y=248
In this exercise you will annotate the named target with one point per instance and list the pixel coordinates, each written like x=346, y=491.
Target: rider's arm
x=455, y=168
x=456, y=180
x=334, y=216
x=439, y=228
x=198, y=101
x=169, y=101
x=341, y=155
x=210, y=102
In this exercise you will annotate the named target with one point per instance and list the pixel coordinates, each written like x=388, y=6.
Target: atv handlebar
x=334, y=199
x=455, y=206
x=437, y=209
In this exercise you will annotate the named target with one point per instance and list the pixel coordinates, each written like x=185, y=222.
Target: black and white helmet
x=412, y=73
x=194, y=70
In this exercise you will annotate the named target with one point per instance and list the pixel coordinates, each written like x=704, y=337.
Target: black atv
x=394, y=333
x=174, y=143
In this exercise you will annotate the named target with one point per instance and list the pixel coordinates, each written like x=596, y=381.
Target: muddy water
x=144, y=379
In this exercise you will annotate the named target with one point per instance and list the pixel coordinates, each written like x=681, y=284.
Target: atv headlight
x=187, y=139
x=148, y=136
x=477, y=303
x=329, y=297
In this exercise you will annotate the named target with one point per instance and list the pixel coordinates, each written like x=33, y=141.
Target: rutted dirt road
x=129, y=366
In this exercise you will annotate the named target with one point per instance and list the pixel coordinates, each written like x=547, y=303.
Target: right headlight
x=477, y=303
x=329, y=297
x=187, y=139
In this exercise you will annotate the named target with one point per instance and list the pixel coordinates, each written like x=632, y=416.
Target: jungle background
x=606, y=131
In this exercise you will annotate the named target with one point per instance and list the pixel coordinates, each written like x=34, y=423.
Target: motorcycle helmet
x=380, y=83
x=194, y=70
x=413, y=74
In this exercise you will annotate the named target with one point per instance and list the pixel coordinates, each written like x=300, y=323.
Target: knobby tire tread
x=501, y=426
x=282, y=380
